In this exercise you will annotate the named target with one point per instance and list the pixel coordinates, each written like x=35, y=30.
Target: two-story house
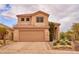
x=32, y=27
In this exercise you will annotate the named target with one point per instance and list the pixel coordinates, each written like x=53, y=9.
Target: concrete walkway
x=31, y=47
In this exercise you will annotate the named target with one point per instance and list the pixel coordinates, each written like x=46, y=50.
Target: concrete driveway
x=31, y=47
x=25, y=46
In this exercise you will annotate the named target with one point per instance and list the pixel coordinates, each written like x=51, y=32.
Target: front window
x=39, y=19
x=22, y=19
x=27, y=19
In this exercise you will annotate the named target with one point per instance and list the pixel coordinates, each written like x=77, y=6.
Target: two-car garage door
x=31, y=35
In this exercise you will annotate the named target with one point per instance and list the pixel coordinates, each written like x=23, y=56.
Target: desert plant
x=75, y=29
x=54, y=44
x=62, y=43
x=68, y=43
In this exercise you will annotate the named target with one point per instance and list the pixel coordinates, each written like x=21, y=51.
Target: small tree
x=62, y=35
x=75, y=29
x=3, y=33
x=51, y=31
x=70, y=35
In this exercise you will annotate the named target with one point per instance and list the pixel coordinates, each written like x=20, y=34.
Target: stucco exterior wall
x=44, y=24
x=16, y=35
x=46, y=35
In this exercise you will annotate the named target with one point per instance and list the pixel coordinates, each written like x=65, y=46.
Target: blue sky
x=9, y=21
x=65, y=14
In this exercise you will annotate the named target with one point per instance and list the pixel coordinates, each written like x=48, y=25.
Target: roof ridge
x=30, y=14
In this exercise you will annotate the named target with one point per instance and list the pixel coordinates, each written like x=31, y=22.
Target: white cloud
x=64, y=14
x=1, y=5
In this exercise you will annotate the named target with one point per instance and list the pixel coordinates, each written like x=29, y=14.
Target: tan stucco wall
x=23, y=22
x=16, y=35
x=33, y=20
x=44, y=24
x=46, y=35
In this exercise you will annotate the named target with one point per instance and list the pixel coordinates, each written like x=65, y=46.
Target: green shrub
x=54, y=44
x=62, y=43
x=57, y=41
x=68, y=43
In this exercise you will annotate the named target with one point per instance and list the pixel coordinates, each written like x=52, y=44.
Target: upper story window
x=27, y=19
x=39, y=19
x=22, y=19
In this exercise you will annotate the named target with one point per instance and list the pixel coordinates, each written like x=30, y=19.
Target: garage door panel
x=31, y=35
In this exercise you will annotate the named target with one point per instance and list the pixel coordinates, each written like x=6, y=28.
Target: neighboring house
x=10, y=31
x=32, y=27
